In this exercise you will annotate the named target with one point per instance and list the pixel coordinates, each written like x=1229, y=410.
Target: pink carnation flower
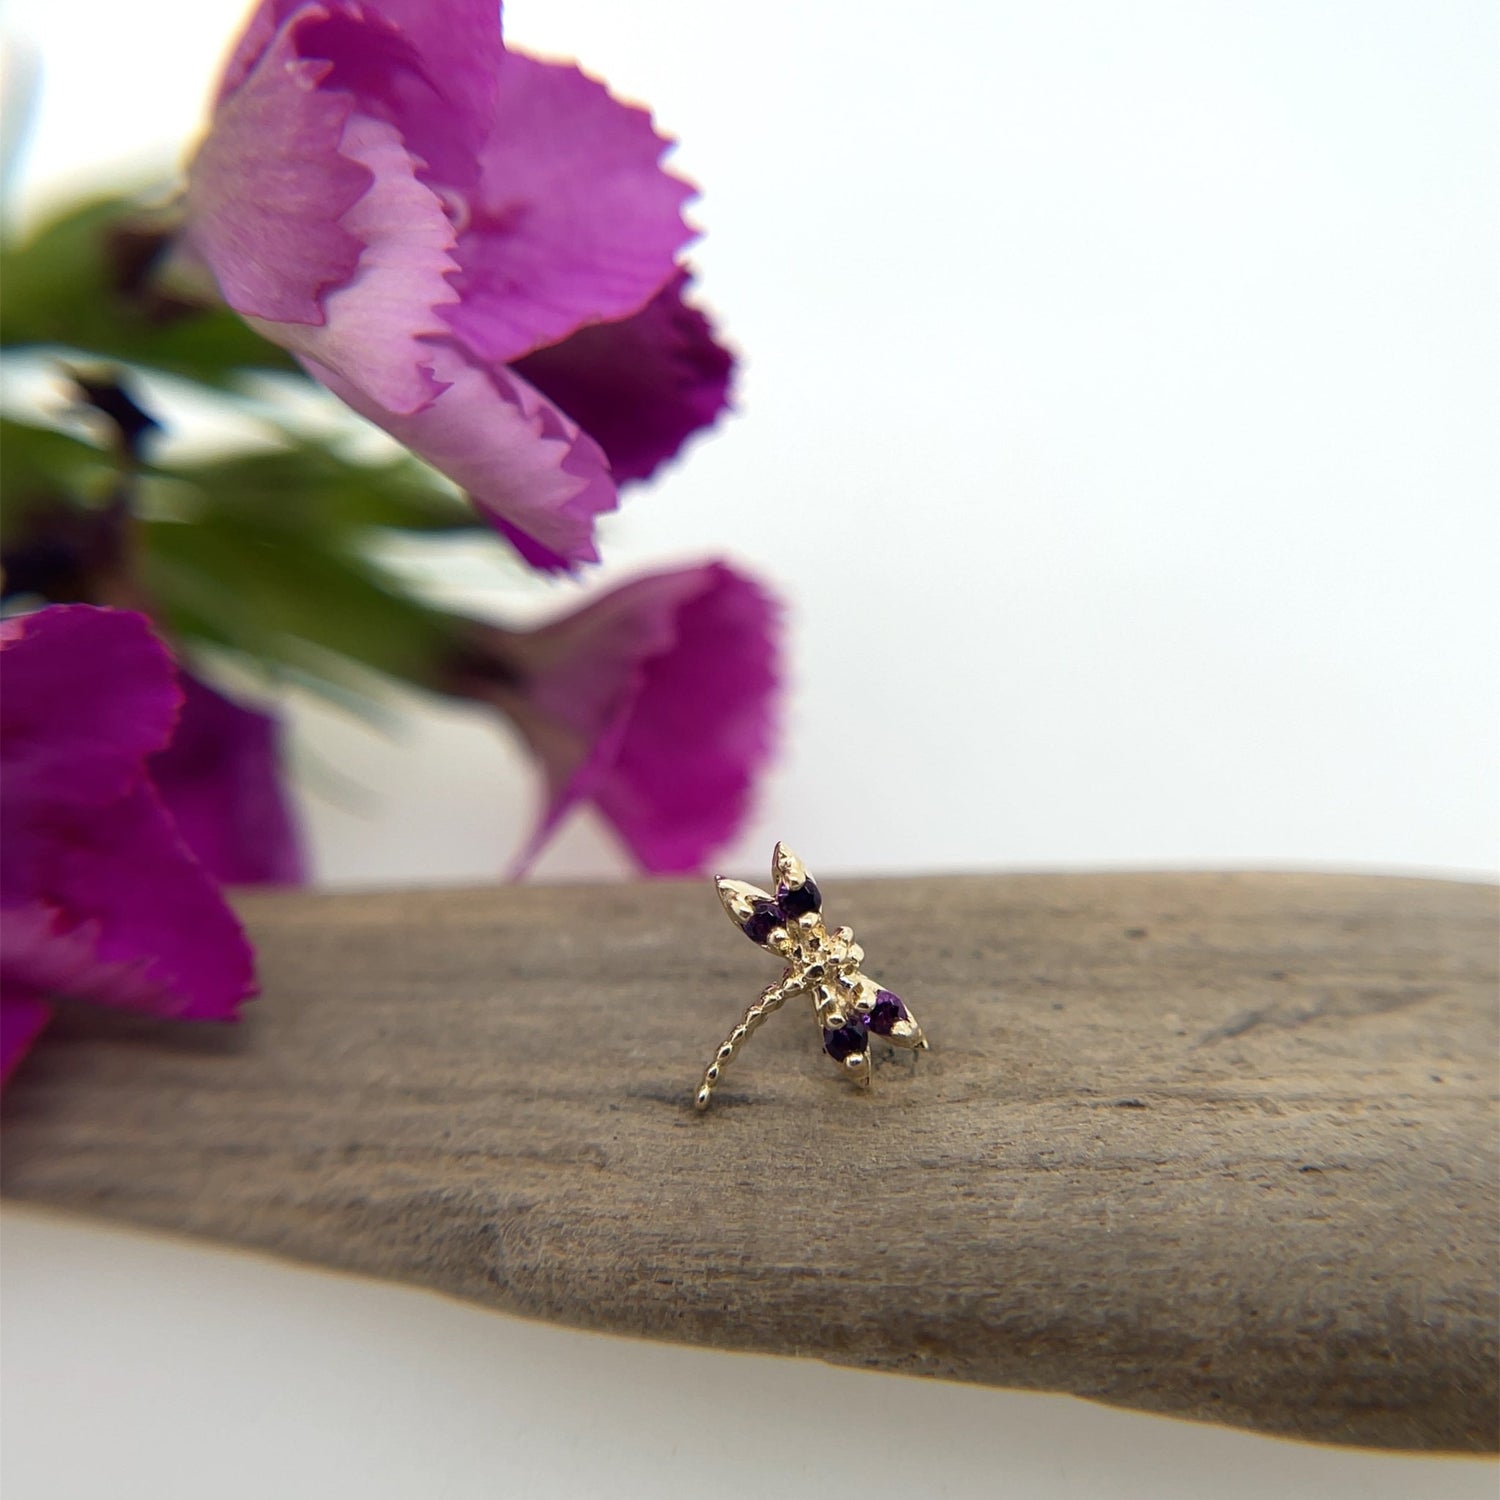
x=100, y=898
x=220, y=778
x=655, y=702
x=410, y=208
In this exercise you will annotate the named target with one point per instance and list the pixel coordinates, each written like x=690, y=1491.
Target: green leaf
x=265, y=554
x=39, y=465
x=286, y=595
x=61, y=286
x=308, y=489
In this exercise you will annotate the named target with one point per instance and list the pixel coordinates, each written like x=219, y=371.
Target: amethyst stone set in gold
x=851, y=1010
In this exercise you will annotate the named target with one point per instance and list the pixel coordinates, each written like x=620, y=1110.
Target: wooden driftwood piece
x=1220, y=1146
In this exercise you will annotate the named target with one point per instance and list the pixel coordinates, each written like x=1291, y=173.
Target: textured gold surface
x=823, y=965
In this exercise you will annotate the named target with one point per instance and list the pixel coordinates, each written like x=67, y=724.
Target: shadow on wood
x=1215, y=1146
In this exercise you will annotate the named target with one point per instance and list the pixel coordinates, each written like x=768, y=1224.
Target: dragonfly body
x=851, y=1009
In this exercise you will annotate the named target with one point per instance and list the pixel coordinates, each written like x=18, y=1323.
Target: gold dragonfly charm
x=849, y=1007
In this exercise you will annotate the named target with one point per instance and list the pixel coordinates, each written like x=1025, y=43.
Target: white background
x=1117, y=417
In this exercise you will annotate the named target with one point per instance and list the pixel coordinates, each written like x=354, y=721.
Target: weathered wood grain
x=1217, y=1146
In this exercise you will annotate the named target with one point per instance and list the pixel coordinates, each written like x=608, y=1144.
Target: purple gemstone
x=795, y=903
x=762, y=921
x=885, y=1013
x=844, y=1042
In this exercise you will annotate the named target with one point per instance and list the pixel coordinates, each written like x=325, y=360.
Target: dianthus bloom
x=221, y=780
x=411, y=208
x=655, y=702
x=100, y=897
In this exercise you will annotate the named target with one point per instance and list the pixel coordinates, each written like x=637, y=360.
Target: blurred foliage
x=308, y=487
x=83, y=281
x=38, y=464
x=266, y=554
x=271, y=554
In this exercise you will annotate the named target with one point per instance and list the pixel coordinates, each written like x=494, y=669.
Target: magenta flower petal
x=378, y=326
x=88, y=694
x=371, y=320
x=221, y=781
x=640, y=387
x=120, y=913
x=269, y=186
x=714, y=692
x=22, y=1017
x=100, y=899
x=657, y=703
x=441, y=90
x=444, y=117
x=460, y=40
x=392, y=196
x=534, y=474
x=573, y=221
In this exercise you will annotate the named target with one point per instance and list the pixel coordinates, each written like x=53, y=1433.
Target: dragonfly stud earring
x=850, y=1008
